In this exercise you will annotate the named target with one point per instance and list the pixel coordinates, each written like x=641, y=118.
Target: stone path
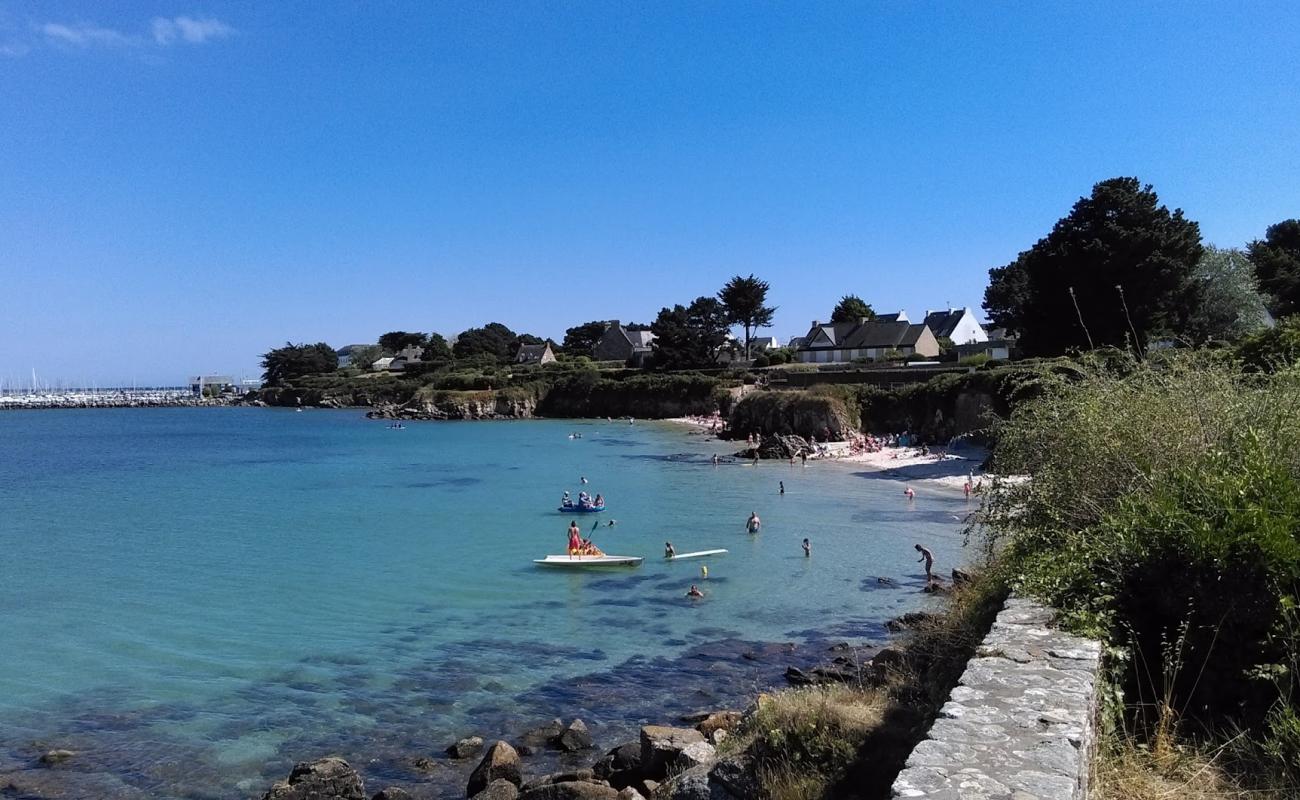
x=1020, y=723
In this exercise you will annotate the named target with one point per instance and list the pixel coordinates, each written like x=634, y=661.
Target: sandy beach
x=938, y=469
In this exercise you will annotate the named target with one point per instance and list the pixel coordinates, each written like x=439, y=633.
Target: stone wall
x=1020, y=723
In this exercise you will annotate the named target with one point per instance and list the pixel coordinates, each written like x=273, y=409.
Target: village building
x=345, y=353
x=866, y=340
x=399, y=362
x=958, y=325
x=535, y=354
x=620, y=344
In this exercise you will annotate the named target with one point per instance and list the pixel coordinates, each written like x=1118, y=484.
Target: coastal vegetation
x=1162, y=515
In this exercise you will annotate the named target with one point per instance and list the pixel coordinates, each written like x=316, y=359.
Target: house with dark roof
x=345, y=353
x=535, y=354
x=620, y=344
x=957, y=324
x=397, y=363
x=866, y=339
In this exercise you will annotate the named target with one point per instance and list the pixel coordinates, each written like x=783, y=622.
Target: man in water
x=669, y=552
x=928, y=558
x=754, y=522
x=715, y=459
x=612, y=523
x=782, y=483
x=911, y=495
x=694, y=592
x=807, y=548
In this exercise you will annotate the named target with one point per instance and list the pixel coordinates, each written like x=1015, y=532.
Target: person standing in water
x=782, y=483
x=807, y=548
x=669, y=552
x=754, y=522
x=911, y=495
x=928, y=558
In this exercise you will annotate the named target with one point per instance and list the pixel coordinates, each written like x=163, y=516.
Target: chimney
x=816, y=323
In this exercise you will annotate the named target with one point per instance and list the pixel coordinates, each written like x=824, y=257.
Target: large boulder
x=329, y=778
x=577, y=775
x=695, y=754
x=570, y=790
x=501, y=762
x=574, y=737
x=620, y=766
x=500, y=789
x=693, y=784
x=736, y=774
x=392, y=793
x=661, y=745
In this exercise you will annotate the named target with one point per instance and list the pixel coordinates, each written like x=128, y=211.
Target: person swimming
x=694, y=592
x=754, y=522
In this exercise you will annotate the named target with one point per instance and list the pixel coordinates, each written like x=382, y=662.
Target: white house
x=957, y=324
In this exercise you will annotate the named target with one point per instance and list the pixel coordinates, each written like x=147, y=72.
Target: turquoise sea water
x=193, y=599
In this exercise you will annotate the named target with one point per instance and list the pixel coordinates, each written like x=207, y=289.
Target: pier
x=107, y=398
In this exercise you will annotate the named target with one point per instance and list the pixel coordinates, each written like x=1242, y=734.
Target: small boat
x=580, y=509
x=589, y=561
x=697, y=554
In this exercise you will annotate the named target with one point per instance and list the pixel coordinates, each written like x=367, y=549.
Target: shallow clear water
x=195, y=598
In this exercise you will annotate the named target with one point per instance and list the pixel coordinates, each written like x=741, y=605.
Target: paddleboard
x=698, y=554
x=589, y=561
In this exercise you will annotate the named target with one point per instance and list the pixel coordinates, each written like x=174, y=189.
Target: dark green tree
x=1277, y=266
x=363, y=357
x=580, y=340
x=1118, y=267
x=283, y=364
x=492, y=339
x=743, y=300
x=852, y=308
x=436, y=349
x=688, y=337
x=1229, y=305
x=395, y=341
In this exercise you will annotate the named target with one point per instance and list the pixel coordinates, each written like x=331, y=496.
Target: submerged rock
x=466, y=747
x=575, y=736
x=329, y=778
x=52, y=757
x=392, y=793
x=500, y=762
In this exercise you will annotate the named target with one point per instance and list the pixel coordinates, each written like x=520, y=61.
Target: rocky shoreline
x=684, y=761
x=547, y=755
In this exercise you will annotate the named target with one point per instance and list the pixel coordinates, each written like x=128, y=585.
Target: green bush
x=976, y=360
x=1163, y=505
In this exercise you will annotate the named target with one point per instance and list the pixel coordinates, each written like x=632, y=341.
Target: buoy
x=704, y=571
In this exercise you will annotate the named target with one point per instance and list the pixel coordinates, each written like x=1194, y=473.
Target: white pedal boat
x=589, y=561
x=697, y=554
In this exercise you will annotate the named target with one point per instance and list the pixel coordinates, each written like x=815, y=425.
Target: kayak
x=589, y=561
x=697, y=554
x=577, y=509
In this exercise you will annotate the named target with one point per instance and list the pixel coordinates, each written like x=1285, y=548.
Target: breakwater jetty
x=107, y=398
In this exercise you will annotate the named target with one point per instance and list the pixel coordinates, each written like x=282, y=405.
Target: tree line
x=1120, y=269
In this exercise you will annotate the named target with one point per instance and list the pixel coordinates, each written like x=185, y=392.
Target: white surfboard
x=589, y=561
x=697, y=554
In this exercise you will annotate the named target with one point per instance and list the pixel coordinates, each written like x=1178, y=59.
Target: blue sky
x=184, y=185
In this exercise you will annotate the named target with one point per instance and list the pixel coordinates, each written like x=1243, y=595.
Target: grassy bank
x=1163, y=516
